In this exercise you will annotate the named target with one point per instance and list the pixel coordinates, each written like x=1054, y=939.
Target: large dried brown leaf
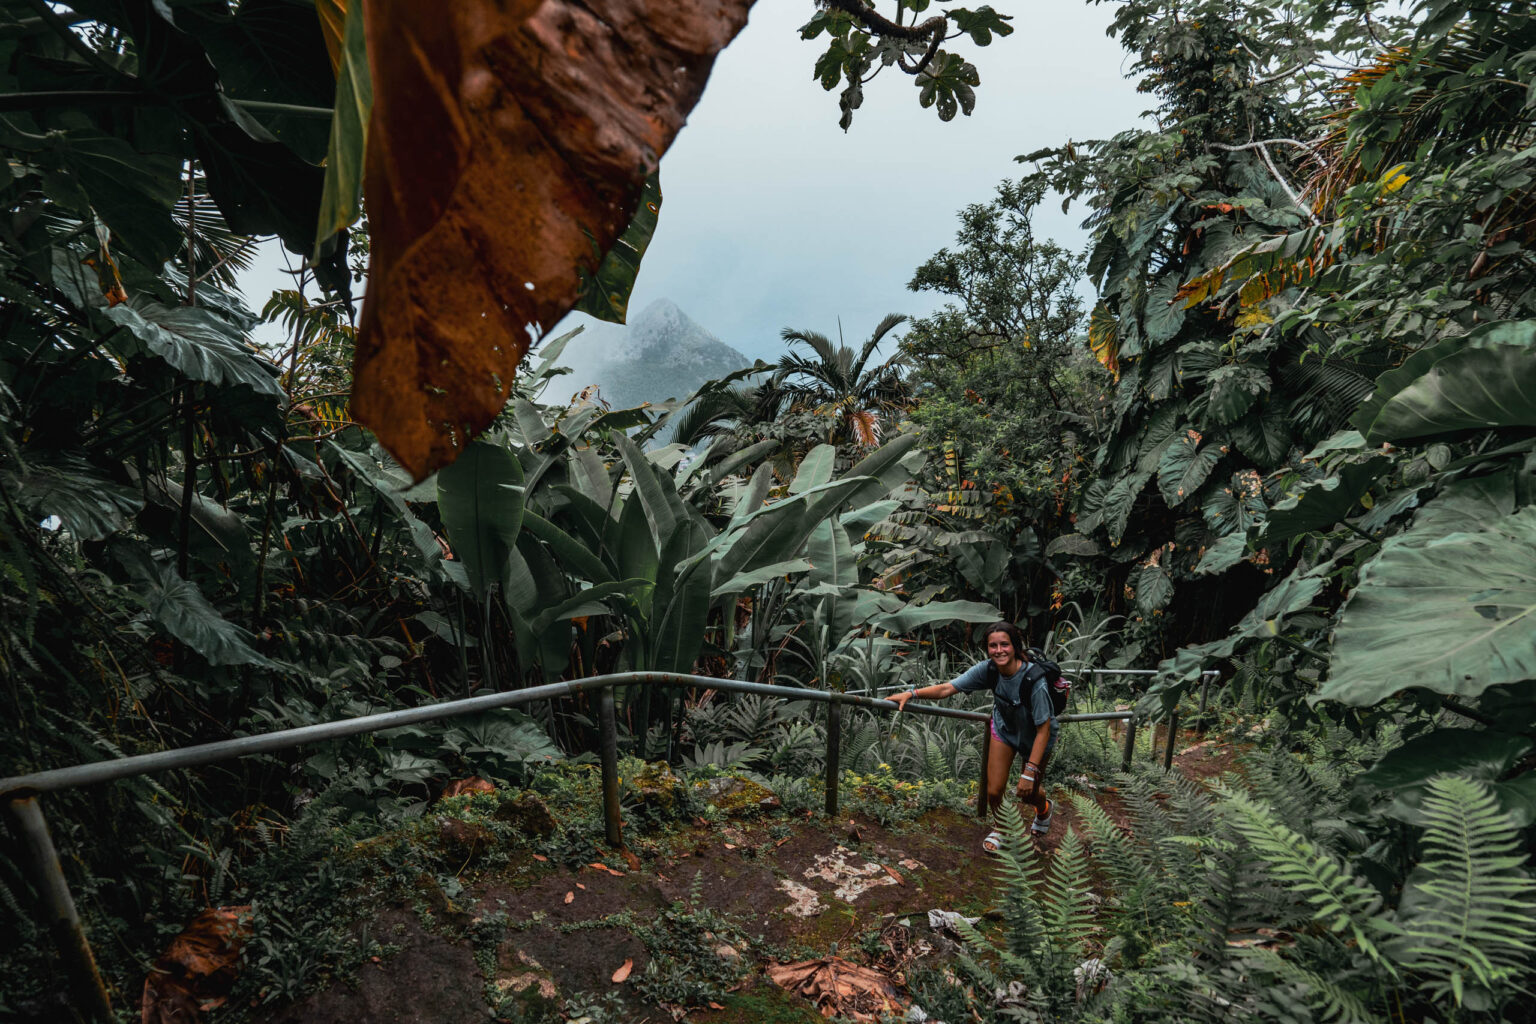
x=198, y=968
x=841, y=989
x=509, y=145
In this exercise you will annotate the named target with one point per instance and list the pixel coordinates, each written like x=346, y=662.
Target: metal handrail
x=21, y=791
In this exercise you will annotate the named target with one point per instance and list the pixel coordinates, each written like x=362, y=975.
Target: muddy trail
x=695, y=921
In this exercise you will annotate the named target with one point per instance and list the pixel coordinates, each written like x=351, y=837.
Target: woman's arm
x=1030, y=779
x=938, y=691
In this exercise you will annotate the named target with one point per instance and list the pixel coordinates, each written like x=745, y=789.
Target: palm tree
x=837, y=382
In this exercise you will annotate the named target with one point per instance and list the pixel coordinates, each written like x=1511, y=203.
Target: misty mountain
x=660, y=354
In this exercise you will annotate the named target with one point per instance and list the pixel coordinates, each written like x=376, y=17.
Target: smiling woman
x=1023, y=718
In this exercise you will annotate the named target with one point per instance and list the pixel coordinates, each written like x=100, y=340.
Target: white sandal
x=993, y=842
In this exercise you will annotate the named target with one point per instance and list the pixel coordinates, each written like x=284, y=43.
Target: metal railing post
x=608, y=751
x=63, y=919
x=834, y=754
x=1173, y=731
x=1130, y=743
x=1205, y=689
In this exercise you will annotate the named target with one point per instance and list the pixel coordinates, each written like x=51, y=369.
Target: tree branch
x=933, y=30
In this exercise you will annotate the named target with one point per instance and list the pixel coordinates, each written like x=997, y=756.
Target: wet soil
x=527, y=940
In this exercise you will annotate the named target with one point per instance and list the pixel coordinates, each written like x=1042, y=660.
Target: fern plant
x=1466, y=911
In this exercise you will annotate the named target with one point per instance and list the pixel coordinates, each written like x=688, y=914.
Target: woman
x=1005, y=673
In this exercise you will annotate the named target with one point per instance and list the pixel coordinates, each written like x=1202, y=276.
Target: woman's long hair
x=1015, y=637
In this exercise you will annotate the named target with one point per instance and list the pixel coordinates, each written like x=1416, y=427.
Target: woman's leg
x=999, y=768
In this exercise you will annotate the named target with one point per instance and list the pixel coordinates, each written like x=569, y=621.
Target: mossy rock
x=528, y=814
x=735, y=795
x=463, y=842
x=657, y=789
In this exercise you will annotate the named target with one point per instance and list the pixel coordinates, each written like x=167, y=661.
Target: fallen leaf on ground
x=781, y=842
x=541, y=858
x=580, y=886
x=623, y=972
x=198, y=969
x=508, y=150
x=841, y=989
x=570, y=897
x=595, y=866
x=631, y=858
x=473, y=784
x=730, y=846
x=894, y=874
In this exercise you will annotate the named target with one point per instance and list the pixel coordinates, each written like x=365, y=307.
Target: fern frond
x=1019, y=874
x=1338, y=901
x=1466, y=910
x=1119, y=855
x=1330, y=1001
x=1067, y=909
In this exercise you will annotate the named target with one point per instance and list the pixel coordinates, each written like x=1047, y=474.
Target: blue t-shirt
x=979, y=677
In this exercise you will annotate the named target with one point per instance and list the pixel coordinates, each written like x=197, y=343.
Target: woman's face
x=1000, y=648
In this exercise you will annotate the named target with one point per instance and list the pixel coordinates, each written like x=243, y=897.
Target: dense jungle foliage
x=1291, y=438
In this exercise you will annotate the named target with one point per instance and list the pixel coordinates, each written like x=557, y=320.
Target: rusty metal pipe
x=42, y=861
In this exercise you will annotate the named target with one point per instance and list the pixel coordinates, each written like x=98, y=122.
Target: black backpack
x=1038, y=668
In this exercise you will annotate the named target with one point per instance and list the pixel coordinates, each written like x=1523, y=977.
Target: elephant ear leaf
x=1453, y=615
x=89, y=507
x=182, y=610
x=1481, y=380
x=494, y=124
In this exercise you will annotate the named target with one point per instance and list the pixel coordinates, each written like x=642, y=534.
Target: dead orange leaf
x=622, y=973
x=570, y=897
x=894, y=874
x=473, y=784
x=509, y=146
x=599, y=866
x=541, y=858
x=630, y=858
x=841, y=989
x=198, y=968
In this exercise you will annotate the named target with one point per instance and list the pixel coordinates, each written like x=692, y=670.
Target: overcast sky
x=772, y=216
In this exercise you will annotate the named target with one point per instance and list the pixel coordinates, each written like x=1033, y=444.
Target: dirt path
x=537, y=941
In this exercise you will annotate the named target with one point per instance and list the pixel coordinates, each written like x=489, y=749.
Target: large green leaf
x=1232, y=391
x=1234, y=508
x=1185, y=466
x=573, y=555
x=1455, y=615
x=1154, y=589
x=680, y=610
x=1223, y=554
x=1483, y=379
x=89, y=506
x=814, y=470
x=180, y=607
x=1165, y=313
x=605, y=294
x=1480, y=753
x=341, y=202
x=197, y=342
x=831, y=556
x=906, y=619
x=132, y=192
x=658, y=495
x=480, y=498
x=757, y=577
x=270, y=51
x=1323, y=504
